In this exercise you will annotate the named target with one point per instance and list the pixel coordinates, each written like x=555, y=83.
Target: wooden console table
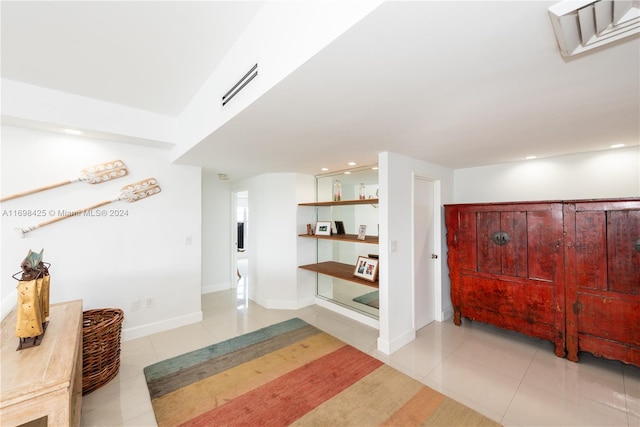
x=44, y=381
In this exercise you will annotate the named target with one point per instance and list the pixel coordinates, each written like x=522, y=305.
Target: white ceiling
x=151, y=55
x=458, y=84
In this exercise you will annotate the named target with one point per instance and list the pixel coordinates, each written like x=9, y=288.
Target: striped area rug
x=292, y=373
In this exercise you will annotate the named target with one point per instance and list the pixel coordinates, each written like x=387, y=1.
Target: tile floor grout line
x=519, y=385
x=626, y=395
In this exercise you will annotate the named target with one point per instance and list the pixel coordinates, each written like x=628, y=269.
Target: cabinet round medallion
x=500, y=238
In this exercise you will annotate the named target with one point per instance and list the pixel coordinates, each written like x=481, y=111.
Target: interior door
x=424, y=251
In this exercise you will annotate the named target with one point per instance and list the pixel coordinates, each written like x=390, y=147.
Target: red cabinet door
x=502, y=242
x=623, y=251
x=603, y=279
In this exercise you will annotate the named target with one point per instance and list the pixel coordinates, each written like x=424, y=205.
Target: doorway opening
x=241, y=254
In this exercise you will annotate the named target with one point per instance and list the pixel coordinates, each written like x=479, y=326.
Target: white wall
x=396, y=215
x=217, y=233
x=306, y=248
x=601, y=174
x=105, y=261
x=273, y=250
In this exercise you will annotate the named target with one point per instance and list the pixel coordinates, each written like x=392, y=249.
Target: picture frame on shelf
x=366, y=268
x=340, y=228
x=362, y=231
x=323, y=228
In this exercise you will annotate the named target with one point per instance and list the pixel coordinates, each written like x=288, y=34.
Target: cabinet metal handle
x=637, y=245
x=434, y=256
x=500, y=238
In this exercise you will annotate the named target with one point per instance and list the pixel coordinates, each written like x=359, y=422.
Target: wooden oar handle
x=35, y=190
x=93, y=175
x=69, y=214
x=129, y=193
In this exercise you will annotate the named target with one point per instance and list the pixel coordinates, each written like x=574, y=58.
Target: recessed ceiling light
x=347, y=173
x=616, y=145
x=324, y=169
x=352, y=163
x=530, y=157
x=72, y=131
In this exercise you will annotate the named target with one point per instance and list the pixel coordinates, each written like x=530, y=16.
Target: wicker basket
x=100, y=347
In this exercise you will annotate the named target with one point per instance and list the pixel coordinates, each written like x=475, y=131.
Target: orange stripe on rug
x=290, y=396
x=453, y=413
x=214, y=391
x=365, y=403
x=417, y=409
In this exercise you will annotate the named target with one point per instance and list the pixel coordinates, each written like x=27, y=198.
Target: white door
x=424, y=251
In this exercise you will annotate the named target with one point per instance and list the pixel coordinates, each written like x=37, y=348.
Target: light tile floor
x=513, y=379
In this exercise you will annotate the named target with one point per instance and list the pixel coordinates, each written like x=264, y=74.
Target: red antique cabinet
x=506, y=266
x=602, y=256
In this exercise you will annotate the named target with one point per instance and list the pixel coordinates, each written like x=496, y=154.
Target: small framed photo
x=339, y=228
x=323, y=228
x=366, y=268
x=362, y=231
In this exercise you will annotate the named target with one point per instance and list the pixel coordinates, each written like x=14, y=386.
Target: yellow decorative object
x=44, y=296
x=28, y=314
x=32, y=309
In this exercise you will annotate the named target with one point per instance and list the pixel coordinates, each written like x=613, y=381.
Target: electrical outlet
x=135, y=305
x=149, y=303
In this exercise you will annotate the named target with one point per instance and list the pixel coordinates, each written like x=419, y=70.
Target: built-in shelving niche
x=337, y=254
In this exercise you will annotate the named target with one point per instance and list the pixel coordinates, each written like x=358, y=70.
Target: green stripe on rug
x=195, y=357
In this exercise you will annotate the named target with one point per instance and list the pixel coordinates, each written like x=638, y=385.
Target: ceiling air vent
x=251, y=74
x=584, y=25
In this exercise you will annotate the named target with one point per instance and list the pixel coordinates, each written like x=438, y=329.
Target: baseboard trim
x=369, y=321
x=447, y=314
x=164, y=325
x=389, y=347
x=207, y=289
x=281, y=304
x=8, y=304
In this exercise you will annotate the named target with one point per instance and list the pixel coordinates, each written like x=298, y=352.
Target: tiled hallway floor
x=513, y=379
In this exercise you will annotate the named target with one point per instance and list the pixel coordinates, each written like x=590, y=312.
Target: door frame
x=234, y=236
x=234, y=240
x=437, y=245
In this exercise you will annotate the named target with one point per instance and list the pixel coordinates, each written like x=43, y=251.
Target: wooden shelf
x=338, y=270
x=351, y=238
x=342, y=203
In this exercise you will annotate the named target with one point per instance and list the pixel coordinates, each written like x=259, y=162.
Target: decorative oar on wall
x=130, y=193
x=93, y=175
